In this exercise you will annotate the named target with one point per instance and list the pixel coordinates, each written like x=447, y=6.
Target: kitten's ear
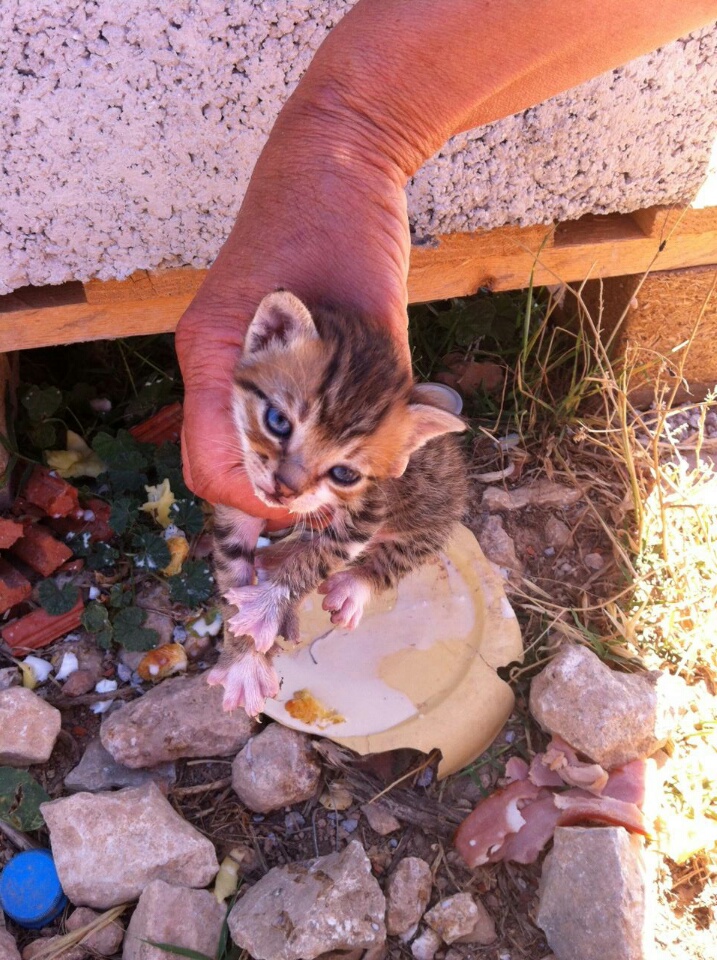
x=280, y=318
x=426, y=422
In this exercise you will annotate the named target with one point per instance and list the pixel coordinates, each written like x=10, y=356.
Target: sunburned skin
x=330, y=427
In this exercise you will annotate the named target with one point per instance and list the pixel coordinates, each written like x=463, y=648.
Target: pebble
x=303, y=910
x=98, y=770
x=105, y=941
x=542, y=493
x=29, y=727
x=611, y=717
x=407, y=894
x=275, y=769
x=426, y=945
x=380, y=819
x=8, y=947
x=109, y=846
x=498, y=545
x=461, y=919
x=557, y=533
x=182, y=717
x=32, y=949
x=191, y=919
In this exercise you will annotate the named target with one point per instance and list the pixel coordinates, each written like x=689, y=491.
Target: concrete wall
x=129, y=129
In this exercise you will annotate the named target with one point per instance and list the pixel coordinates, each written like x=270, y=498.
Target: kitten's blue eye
x=276, y=422
x=344, y=475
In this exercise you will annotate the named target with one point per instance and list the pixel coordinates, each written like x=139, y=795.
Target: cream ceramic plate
x=420, y=670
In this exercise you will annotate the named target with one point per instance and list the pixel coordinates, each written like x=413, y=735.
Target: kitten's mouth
x=271, y=499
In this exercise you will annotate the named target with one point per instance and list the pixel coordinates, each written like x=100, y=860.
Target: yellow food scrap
x=227, y=881
x=304, y=707
x=159, y=502
x=162, y=662
x=78, y=460
x=178, y=551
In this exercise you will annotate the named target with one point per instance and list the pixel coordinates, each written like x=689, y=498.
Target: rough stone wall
x=129, y=129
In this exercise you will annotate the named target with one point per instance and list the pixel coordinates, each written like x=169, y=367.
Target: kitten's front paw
x=248, y=682
x=261, y=613
x=346, y=597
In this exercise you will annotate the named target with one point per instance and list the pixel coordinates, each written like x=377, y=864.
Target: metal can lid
x=30, y=890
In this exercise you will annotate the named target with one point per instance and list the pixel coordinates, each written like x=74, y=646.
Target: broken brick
x=47, y=490
x=98, y=527
x=39, y=628
x=10, y=531
x=14, y=588
x=165, y=425
x=39, y=550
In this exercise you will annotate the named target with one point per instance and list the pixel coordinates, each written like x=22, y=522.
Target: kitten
x=331, y=427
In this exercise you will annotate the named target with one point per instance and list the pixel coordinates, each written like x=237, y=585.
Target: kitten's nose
x=290, y=479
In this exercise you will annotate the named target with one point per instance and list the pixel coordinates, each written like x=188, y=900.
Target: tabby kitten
x=331, y=427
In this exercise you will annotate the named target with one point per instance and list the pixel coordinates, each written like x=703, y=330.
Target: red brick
x=39, y=550
x=98, y=528
x=38, y=628
x=10, y=531
x=55, y=496
x=166, y=424
x=14, y=588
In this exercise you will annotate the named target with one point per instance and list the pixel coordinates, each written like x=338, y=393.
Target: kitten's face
x=320, y=419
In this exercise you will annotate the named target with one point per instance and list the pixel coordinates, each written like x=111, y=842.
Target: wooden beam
x=456, y=265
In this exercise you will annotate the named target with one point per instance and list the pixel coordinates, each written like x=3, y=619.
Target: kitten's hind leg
x=247, y=676
x=347, y=593
x=235, y=536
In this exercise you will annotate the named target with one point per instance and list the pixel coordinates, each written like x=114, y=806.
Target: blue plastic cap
x=30, y=891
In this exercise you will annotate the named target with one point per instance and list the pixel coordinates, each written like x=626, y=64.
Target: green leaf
x=95, y=617
x=150, y=395
x=43, y=435
x=151, y=551
x=119, y=597
x=123, y=514
x=129, y=632
x=41, y=403
x=193, y=586
x=57, y=600
x=101, y=555
x=126, y=460
x=181, y=951
x=20, y=799
x=188, y=516
x=104, y=637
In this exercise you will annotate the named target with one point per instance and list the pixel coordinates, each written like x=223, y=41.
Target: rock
x=557, y=533
x=498, y=545
x=171, y=914
x=43, y=944
x=407, y=894
x=594, y=895
x=79, y=683
x=542, y=493
x=426, y=945
x=8, y=947
x=611, y=717
x=275, y=769
x=97, y=770
x=104, y=941
x=9, y=677
x=29, y=727
x=154, y=598
x=380, y=819
x=109, y=846
x=461, y=919
x=302, y=910
x=181, y=717
x=594, y=561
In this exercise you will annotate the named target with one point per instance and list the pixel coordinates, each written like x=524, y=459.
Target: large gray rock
x=178, y=915
x=407, y=894
x=182, y=717
x=105, y=941
x=276, y=768
x=302, y=910
x=109, y=846
x=8, y=947
x=98, y=770
x=594, y=895
x=611, y=717
x=29, y=727
x=461, y=919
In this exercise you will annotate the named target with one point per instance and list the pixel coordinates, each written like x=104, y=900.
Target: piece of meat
x=577, y=807
x=541, y=775
x=483, y=831
x=561, y=759
x=516, y=769
x=628, y=783
x=541, y=817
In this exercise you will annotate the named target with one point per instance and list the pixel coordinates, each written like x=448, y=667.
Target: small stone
x=43, y=944
x=611, y=717
x=97, y=770
x=498, y=545
x=105, y=941
x=186, y=918
x=557, y=533
x=9, y=677
x=79, y=683
x=302, y=910
x=407, y=894
x=109, y=846
x=594, y=561
x=458, y=918
x=29, y=727
x=380, y=819
x=182, y=717
x=542, y=493
x=276, y=769
x=594, y=895
x=8, y=947
x=426, y=945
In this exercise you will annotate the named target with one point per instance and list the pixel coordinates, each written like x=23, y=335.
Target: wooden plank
x=457, y=265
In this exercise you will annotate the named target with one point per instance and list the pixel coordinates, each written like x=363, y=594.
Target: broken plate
x=418, y=672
